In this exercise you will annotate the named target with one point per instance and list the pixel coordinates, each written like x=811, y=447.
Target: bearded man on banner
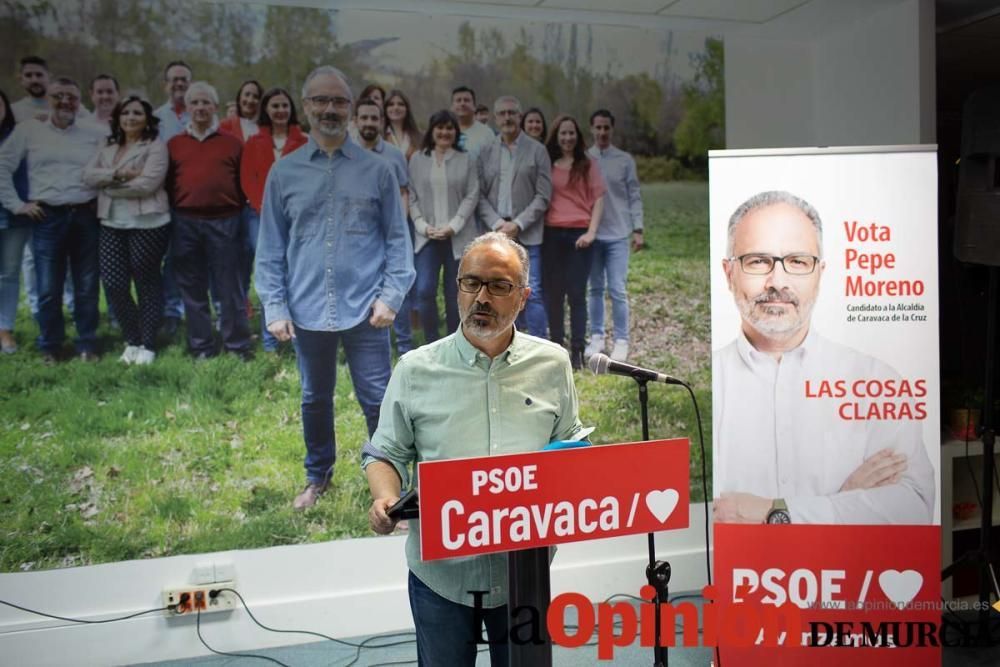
x=797, y=439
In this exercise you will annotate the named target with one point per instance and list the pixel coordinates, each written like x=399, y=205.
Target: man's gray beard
x=783, y=323
x=333, y=132
x=486, y=332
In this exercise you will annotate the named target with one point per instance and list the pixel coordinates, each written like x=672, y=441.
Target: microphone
x=601, y=363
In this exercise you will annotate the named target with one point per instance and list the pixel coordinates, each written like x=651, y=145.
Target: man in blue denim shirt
x=334, y=261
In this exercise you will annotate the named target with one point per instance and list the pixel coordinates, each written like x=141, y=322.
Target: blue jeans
x=67, y=235
x=447, y=633
x=402, y=327
x=252, y=220
x=533, y=318
x=610, y=264
x=430, y=261
x=31, y=283
x=173, y=303
x=369, y=360
x=12, y=242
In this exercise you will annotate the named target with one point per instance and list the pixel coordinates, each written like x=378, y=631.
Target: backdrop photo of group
x=184, y=370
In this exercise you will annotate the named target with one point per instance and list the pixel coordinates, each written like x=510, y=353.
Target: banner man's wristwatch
x=778, y=512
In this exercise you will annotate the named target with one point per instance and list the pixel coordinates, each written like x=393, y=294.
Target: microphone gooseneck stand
x=658, y=571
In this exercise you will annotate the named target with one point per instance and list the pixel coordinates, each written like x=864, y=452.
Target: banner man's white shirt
x=773, y=441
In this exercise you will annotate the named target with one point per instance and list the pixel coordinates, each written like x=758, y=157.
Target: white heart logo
x=900, y=587
x=662, y=503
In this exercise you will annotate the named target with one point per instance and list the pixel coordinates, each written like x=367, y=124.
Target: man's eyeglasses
x=756, y=264
x=472, y=285
x=323, y=101
x=65, y=97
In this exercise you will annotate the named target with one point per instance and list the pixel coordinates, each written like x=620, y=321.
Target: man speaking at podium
x=784, y=450
x=486, y=389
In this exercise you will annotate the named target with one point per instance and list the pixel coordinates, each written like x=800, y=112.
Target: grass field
x=103, y=462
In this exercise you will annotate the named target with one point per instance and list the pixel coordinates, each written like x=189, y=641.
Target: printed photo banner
x=863, y=382
x=825, y=390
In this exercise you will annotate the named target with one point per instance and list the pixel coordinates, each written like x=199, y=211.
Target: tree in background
x=658, y=113
x=703, y=126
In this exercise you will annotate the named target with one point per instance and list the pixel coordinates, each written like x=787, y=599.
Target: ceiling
x=776, y=18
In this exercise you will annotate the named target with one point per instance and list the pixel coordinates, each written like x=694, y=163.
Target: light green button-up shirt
x=448, y=400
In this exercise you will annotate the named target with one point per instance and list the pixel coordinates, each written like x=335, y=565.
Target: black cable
x=704, y=479
x=365, y=644
x=234, y=655
x=704, y=490
x=82, y=620
x=294, y=632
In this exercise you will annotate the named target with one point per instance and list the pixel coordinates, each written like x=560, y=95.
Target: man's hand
x=379, y=521
x=283, y=330
x=382, y=315
x=637, y=242
x=585, y=241
x=33, y=210
x=740, y=508
x=882, y=468
x=510, y=229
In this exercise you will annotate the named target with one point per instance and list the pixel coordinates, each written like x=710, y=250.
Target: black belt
x=92, y=204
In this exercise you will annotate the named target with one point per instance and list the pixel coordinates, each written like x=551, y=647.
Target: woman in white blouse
x=400, y=126
x=135, y=215
x=444, y=190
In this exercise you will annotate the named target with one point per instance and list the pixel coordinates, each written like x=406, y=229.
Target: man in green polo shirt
x=486, y=389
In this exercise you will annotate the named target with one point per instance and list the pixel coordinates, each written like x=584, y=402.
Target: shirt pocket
x=536, y=413
x=358, y=215
x=308, y=220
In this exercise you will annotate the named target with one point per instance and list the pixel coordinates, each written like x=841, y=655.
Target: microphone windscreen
x=598, y=363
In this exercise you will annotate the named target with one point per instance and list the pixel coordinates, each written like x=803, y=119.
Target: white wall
x=769, y=97
x=870, y=82
x=343, y=588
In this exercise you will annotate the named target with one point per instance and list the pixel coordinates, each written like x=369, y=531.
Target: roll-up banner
x=825, y=397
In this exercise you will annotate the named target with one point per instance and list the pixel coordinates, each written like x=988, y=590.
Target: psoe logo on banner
x=519, y=501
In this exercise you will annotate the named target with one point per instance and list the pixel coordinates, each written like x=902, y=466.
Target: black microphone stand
x=658, y=571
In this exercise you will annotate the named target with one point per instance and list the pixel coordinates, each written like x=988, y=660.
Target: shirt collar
x=448, y=154
x=516, y=143
x=752, y=356
x=348, y=149
x=201, y=137
x=469, y=354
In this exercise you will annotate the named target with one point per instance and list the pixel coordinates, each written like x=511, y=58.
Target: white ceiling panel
x=504, y=3
x=610, y=6
x=751, y=11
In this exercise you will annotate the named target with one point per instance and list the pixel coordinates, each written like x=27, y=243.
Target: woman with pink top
x=570, y=227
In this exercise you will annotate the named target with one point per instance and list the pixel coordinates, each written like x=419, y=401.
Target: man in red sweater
x=205, y=196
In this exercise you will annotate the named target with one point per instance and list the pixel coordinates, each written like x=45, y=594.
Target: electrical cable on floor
x=234, y=655
x=278, y=630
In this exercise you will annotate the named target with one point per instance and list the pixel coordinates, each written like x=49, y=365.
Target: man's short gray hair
x=507, y=98
x=326, y=70
x=770, y=198
x=501, y=239
x=201, y=87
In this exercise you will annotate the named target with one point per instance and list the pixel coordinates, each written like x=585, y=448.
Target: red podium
x=524, y=503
